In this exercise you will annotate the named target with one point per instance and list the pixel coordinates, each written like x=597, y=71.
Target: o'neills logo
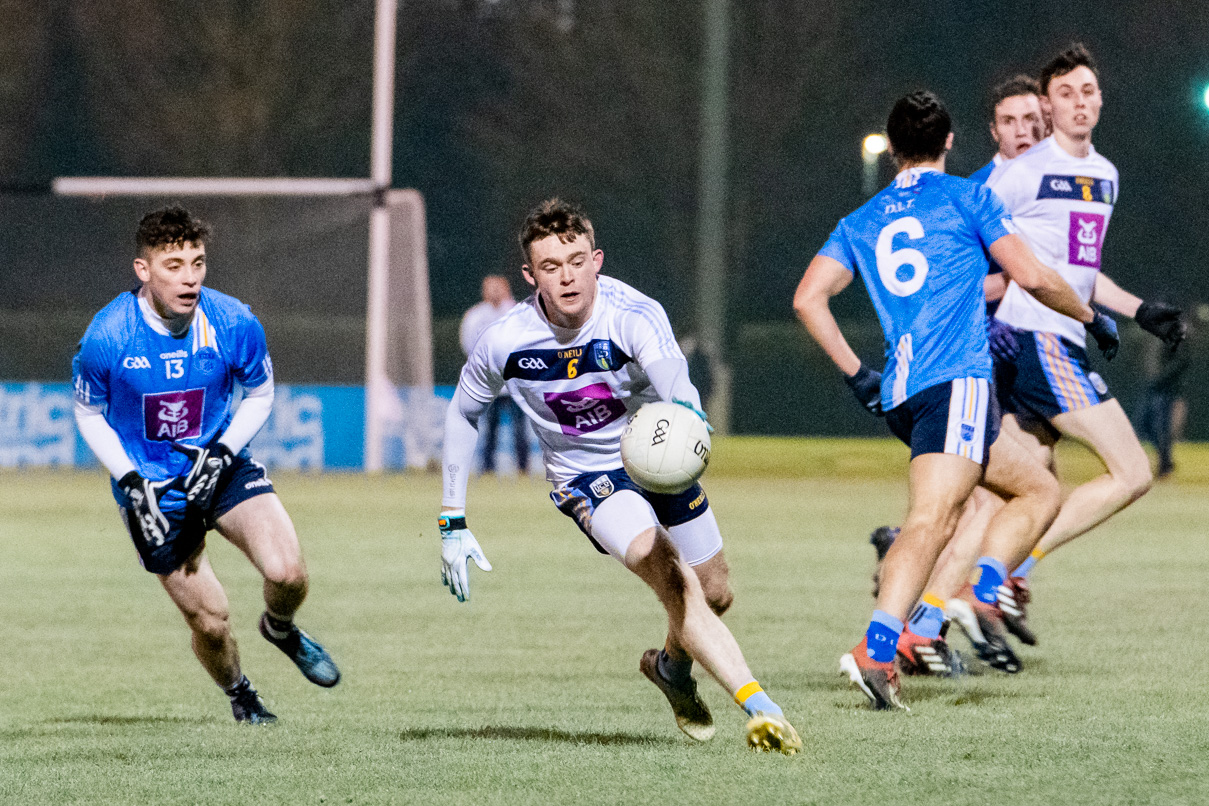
x=169, y=416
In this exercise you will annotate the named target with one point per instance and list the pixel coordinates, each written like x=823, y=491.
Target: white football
x=665, y=447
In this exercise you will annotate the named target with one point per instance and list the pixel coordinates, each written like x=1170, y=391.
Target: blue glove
x=709, y=428
x=458, y=548
x=1001, y=338
x=202, y=478
x=1104, y=330
x=866, y=384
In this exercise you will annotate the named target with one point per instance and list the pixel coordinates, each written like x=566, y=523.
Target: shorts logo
x=967, y=432
x=170, y=416
x=531, y=363
x=660, y=434
x=602, y=487
x=1085, y=239
x=251, y=485
x=582, y=411
x=1097, y=383
x=136, y=362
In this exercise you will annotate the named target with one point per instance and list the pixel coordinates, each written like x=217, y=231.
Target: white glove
x=458, y=548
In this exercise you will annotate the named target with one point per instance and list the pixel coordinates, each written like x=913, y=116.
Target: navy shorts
x=578, y=499
x=960, y=417
x=1048, y=376
x=245, y=478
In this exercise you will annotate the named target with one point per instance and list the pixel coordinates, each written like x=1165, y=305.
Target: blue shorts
x=960, y=417
x=578, y=499
x=245, y=478
x=1048, y=376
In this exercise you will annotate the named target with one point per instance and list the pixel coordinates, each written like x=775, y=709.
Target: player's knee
x=1137, y=479
x=287, y=573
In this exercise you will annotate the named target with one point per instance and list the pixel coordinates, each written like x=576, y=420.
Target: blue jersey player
x=921, y=247
x=155, y=377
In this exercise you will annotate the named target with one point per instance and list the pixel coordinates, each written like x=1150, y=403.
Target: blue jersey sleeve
x=988, y=214
x=251, y=364
x=90, y=370
x=839, y=248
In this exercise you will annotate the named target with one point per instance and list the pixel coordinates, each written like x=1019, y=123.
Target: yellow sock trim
x=743, y=694
x=934, y=600
x=1037, y=554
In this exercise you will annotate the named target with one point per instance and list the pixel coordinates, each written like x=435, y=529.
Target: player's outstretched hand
x=1162, y=320
x=1104, y=330
x=458, y=548
x=142, y=496
x=866, y=384
x=202, y=478
x=709, y=428
x=1002, y=339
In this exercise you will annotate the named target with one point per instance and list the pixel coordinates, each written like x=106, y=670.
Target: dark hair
x=555, y=217
x=170, y=226
x=1077, y=55
x=1016, y=85
x=918, y=126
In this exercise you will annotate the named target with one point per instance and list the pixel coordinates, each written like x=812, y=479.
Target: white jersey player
x=1061, y=193
x=578, y=357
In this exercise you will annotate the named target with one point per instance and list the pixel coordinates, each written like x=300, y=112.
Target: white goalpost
x=398, y=333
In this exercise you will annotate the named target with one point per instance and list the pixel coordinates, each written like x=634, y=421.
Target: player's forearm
x=816, y=315
x=670, y=378
x=457, y=454
x=103, y=440
x=995, y=286
x=1115, y=298
x=250, y=417
x=1045, y=284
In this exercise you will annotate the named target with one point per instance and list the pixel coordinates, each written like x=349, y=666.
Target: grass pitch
x=530, y=693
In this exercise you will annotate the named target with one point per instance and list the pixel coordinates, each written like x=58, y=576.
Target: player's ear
x=949, y=142
x=994, y=132
x=142, y=269
x=597, y=259
x=528, y=275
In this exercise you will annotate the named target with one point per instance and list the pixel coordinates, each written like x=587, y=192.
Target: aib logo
x=171, y=416
x=1086, y=237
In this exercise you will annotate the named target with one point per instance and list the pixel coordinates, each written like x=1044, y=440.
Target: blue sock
x=882, y=636
x=753, y=700
x=927, y=617
x=1028, y=563
x=991, y=574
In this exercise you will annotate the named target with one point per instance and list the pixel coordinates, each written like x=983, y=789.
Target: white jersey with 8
x=576, y=386
x=1061, y=204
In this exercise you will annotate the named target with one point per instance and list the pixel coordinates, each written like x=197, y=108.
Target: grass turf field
x=530, y=693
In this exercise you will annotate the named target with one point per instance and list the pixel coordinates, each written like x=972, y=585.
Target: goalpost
x=398, y=338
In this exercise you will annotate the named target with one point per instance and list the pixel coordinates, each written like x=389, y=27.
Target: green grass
x=530, y=693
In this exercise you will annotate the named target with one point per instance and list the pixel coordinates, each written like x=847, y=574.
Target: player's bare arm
x=1023, y=267
x=824, y=278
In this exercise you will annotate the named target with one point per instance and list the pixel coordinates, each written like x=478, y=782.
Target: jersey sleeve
x=989, y=215
x=648, y=334
x=482, y=378
x=90, y=370
x=839, y=248
x=252, y=366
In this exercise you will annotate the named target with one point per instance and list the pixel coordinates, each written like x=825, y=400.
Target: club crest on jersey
x=602, y=487
x=206, y=360
x=598, y=355
x=584, y=410
x=967, y=432
x=1085, y=238
x=602, y=354
x=169, y=416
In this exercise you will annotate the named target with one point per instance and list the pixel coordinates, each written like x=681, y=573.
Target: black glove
x=1162, y=320
x=1104, y=330
x=202, y=478
x=866, y=384
x=1001, y=337
x=143, y=499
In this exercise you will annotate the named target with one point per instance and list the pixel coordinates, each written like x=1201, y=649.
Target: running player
x=154, y=380
x=578, y=356
x=937, y=391
x=1061, y=194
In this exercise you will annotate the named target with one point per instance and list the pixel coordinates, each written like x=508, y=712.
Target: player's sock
x=238, y=687
x=676, y=672
x=882, y=636
x=753, y=700
x=991, y=574
x=1028, y=563
x=927, y=617
x=278, y=627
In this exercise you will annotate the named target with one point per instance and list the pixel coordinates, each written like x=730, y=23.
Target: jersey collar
x=909, y=176
x=157, y=322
